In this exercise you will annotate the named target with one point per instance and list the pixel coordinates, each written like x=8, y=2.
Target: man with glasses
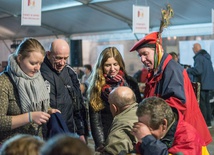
x=64, y=88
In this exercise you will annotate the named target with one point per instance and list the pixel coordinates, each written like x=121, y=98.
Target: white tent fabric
x=71, y=17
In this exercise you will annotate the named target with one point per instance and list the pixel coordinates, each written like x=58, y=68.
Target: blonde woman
x=108, y=72
x=23, y=94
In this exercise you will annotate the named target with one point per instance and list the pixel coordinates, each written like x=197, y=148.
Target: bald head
x=58, y=54
x=196, y=48
x=59, y=46
x=121, y=97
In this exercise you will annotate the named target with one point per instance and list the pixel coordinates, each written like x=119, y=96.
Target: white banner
x=31, y=12
x=212, y=20
x=140, y=19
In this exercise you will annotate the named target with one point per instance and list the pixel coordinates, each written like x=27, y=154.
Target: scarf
x=111, y=83
x=32, y=91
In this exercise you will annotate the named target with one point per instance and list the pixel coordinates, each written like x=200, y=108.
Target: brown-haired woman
x=108, y=72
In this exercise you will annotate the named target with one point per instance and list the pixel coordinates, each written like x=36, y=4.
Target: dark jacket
x=203, y=70
x=101, y=121
x=65, y=95
x=56, y=125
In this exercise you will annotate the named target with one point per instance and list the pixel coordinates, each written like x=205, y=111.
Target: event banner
x=140, y=19
x=31, y=12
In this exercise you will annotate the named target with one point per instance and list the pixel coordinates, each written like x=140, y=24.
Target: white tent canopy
x=78, y=17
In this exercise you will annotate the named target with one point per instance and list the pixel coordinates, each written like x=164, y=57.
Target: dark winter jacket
x=101, y=121
x=65, y=95
x=202, y=70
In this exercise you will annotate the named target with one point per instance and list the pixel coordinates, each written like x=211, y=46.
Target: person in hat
x=169, y=80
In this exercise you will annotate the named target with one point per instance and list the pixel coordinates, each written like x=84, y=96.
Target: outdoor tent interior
x=92, y=25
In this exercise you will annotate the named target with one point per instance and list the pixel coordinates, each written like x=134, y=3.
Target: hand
x=52, y=111
x=140, y=130
x=40, y=117
x=82, y=138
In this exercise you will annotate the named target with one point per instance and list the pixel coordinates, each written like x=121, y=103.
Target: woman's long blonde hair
x=97, y=79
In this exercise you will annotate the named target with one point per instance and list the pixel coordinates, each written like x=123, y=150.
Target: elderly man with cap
x=168, y=79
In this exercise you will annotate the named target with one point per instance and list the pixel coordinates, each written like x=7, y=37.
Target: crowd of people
x=39, y=87
x=48, y=109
